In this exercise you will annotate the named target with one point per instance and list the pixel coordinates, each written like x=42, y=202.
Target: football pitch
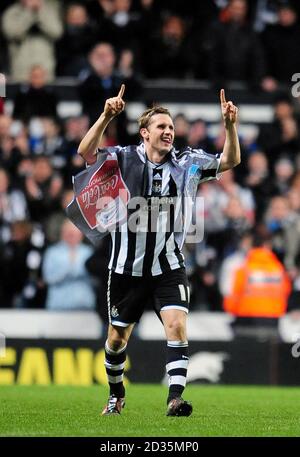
x=227, y=411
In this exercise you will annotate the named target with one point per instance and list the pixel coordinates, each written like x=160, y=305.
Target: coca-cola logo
x=98, y=190
x=105, y=185
x=99, y=178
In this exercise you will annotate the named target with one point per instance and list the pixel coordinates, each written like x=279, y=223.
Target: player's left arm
x=231, y=155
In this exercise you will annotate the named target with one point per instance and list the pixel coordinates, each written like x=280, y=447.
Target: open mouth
x=167, y=140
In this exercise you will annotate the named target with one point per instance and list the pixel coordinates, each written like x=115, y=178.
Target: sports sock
x=177, y=363
x=114, y=365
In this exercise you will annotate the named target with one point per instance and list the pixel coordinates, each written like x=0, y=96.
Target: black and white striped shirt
x=145, y=251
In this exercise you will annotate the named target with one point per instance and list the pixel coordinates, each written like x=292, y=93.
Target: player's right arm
x=92, y=140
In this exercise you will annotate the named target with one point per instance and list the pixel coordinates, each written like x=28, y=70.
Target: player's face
x=159, y=134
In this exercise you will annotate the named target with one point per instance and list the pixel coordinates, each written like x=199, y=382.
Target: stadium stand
x=266, y=108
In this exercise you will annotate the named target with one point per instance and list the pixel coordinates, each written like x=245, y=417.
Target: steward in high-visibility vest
x=261, y=286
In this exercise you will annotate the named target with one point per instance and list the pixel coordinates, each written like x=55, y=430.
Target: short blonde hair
x=144, y=119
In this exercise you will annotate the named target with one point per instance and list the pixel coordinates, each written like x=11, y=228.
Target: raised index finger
x=122, y=90
x=222, y=96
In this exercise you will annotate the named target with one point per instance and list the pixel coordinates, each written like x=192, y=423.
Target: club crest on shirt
x=157, y=182
x=157, y=188
x=114, y=311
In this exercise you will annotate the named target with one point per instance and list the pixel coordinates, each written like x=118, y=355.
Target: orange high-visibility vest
x=261, y=287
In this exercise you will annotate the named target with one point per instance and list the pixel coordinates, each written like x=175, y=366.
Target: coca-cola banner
x=103, y=200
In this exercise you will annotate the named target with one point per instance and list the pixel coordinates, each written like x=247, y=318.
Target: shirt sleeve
x=110, y=150
x=208, y=164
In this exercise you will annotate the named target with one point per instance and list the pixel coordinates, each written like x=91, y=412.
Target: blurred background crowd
x=98, y=44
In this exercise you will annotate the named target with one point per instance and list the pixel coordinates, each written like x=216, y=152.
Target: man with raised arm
x=147, y=262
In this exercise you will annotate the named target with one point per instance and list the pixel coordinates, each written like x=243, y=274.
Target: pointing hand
x=229, y=110
x=115, y=105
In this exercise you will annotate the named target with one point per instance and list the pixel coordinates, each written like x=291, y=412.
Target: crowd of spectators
x=43, y=259
x=220, y=40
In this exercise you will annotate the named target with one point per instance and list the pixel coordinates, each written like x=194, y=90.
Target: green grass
x=218, y=411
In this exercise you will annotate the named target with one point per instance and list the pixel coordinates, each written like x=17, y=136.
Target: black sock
x=114, y=365
x=177, y=363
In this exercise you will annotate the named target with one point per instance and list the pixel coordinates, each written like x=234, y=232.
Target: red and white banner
x=103, y=200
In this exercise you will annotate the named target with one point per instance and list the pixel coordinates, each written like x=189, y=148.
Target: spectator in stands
x=232, y=189
x=55, y=221
x=31, y=28
x=182, y=127
x=259, y=182
x=214, y=219
x=118, y=24
x=20, y=262
x=42, y=189
x=284, y=225
x=294, y=193
x=260, y=288
x=45, y=138
x=102, y=82
x=19, y=146
x=202, y=265
x=284, y=171
x=232, y=262
x=74, y=130
x=169, y=53
x=52, y=141
x=78, y=38
x=69, y=285
x=13, y=206
x=265, y=13
x=281, y=43
x=294, y=200
x=24, y=168
x=9, y=152
x=282, y=136
x=5, y=125
x=100, y=68
x=3, y=49
x=198, y=137
x=149, y=11
x=100, y=9
x=127, y=67
x=36, y=136
x=35, y=99
x=228, y=210
x=3, y=56
x=296, y=182
x=237, y=223
x=234, y=50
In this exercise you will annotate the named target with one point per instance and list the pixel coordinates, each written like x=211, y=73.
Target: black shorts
x=127, y=296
